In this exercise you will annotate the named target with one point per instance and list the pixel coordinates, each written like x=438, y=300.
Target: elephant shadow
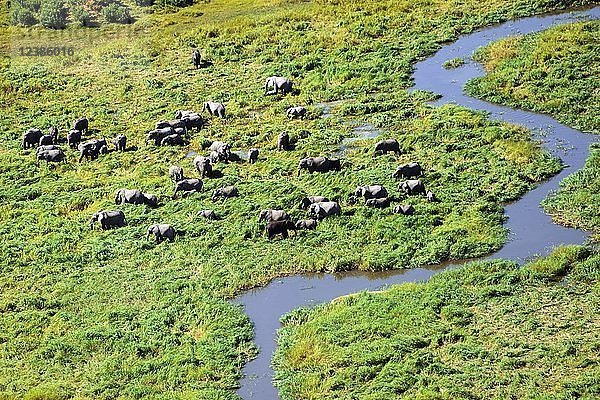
x=131, y=149
x=216, y=174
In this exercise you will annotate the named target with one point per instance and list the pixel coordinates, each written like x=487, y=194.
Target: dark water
x=531, y=230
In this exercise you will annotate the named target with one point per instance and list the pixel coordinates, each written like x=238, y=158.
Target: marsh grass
x=92, y=314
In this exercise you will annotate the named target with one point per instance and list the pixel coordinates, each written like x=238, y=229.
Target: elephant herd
x=173, y=132
x=49, y=150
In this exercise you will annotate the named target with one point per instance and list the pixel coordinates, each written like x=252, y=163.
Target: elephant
x=279, y=228
x=225, y=192
x=196, y=58
x=371, y=192
x=158, y=134
x=180, y=114
x=46, y=140
x=310, y=224
x=307, y=201
x=193, y=121
x=175, y=123
x=53, y=131
x=108, y=219
x=278, y=84
x=214, y=157
x=172, y=140
x=81, y=125
x=214, y=109
x=203, y=166
x=404, y=209
x=31, y=138
x=387, y=145
x=431, y=197
x=161, y=232
x=92, y=148
x=283, y=141
x=378, y=202
x=273, y=215
x=318, y=164
x=324, y=209
x=134, y=196
x=408, y=171
x=73, y=138
x=296, y=112
x=208, y=214
x=187, y=186
x=412, y=187
x=47, y=147
x=252, y=155
x=223, y=151
x=49, y=156
x=120, y=142
x=176, y=173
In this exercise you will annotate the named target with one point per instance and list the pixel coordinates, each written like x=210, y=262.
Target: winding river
x=531, y=231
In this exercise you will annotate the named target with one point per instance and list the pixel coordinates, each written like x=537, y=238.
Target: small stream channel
x=531, y=231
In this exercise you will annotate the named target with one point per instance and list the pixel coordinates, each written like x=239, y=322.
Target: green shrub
x=80, y=15
x=117, y=13
x=21, y=15
x=53, y=14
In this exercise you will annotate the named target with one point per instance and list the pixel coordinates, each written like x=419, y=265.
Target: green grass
x=490, y=330
x=555, y=72
x=91, y=314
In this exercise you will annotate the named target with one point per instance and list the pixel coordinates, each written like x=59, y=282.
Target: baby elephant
x=187, y=186
x=134, y=196
x=176, y=173
x=279, y=227
x=120, y=142
x=252, y=155
x=431, y=197
x=404, y=209
x=310, y=224
x=161, y=232
x=378, y=203
x=208, y=214
x=108, y=219
x=225, y=192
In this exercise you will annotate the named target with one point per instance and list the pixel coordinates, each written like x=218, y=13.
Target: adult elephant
x=279, y=228
x=176, y=173
x=215, y=109
x=46, y=140
x=318, y=164
x=120, y=142
x=54, y=156
x=157, y=135
x=187, y=186
x=134, y=196
x=371, y=192
x=307, y=201
x=296, y=112
x=172, y=140
x=196, y=58
x=225, y=192
x=324, y=209
x=222, y=149
x=81, y=125
x=404, y=209
x=273, y=215
x=161, y=232
x=73, y=138
x=108, y=219
x=283, y=141
x=309, y=224
x=203, y=166
x=408, y=171
x=252, y=155
x=387, y=146
x=378, y=203
x=412, y=187
x=278, y=84
x=31, y=138
x=53, y=131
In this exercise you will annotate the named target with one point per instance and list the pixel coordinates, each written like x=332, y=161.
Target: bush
x=81, y=15
x=53, y=14
x=21, y=15
x=144, y=3
x=175, y=3
x=116, y=13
